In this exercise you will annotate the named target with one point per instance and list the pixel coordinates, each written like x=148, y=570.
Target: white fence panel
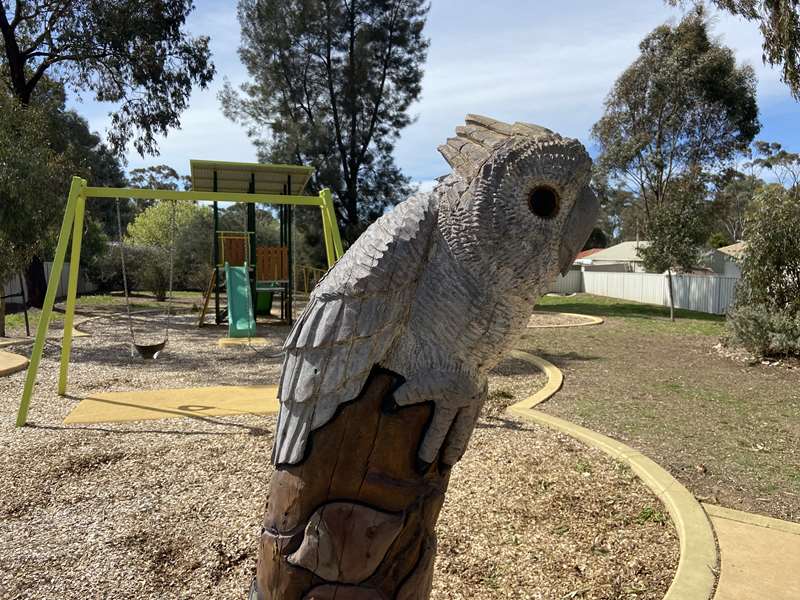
x=12, y=286
x=569, y=284
x=703, y=293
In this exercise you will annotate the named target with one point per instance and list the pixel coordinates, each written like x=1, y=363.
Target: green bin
x=263, y=303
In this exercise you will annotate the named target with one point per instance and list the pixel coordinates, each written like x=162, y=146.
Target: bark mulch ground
x=172, y=508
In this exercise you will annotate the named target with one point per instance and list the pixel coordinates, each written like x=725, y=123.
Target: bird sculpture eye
x=543, y=201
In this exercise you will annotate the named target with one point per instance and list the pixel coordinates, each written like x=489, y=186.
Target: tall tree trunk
x=36, y=282
x=355, y=520
x=2, y=311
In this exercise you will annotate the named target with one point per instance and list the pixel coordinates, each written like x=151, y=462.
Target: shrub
x=149, y=270
x=765, y=330
x=771, y=264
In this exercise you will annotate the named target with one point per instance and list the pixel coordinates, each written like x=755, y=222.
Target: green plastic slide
x=241, y=322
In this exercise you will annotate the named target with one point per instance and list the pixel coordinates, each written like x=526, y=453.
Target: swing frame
x=72, y=229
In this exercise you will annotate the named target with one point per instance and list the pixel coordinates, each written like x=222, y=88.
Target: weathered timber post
x=385, y=371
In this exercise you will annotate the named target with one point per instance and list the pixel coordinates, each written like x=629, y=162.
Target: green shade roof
x=235, y=177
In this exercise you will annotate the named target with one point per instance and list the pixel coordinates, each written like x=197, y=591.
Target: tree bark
x=355, y=519
x=2, y=311
x=36, y=282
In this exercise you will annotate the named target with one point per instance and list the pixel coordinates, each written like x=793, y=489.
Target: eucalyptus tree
x=135, y=54
x=331, y=84
x=684, y=106
x=779, y=22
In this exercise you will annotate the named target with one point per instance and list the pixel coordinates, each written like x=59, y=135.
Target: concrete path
x=11, y=363
x=760, y=556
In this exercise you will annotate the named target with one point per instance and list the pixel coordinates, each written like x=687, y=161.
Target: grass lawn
x=93, y=304
x=729, y=431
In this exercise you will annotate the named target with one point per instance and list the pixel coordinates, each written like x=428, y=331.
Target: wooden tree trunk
x=2, y=312
x=355, y=520
x=36, y=282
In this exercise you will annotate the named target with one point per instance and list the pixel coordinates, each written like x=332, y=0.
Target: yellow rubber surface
x=11, y=363
x=115, y=407
x=694, y=578
x=254, y=341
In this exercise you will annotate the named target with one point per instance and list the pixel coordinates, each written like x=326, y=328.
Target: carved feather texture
x=350, y=322
x=479, y=137
x=441, y=285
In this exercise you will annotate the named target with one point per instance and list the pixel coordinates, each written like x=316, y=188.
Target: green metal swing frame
x=72, y=228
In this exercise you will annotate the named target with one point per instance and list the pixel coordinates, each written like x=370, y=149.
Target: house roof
x=735, y=250
x=236, y=177
x=622, y=252
x=586, y=253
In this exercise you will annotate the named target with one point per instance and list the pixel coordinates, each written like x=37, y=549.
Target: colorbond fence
x=12, y=286
x=703, y=293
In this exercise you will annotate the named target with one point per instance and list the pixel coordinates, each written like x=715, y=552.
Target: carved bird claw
x=458, y=399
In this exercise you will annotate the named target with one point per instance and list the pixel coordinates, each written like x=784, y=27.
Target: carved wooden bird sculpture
x=434, y=292
x=439, y=288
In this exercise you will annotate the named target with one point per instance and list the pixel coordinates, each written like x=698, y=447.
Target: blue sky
x=550, y=63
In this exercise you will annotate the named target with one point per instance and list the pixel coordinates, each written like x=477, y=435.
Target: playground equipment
x=269, y=267
x=241, y=320
x=72, y=229
x=147, y=351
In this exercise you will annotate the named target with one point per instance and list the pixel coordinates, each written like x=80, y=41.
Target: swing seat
x=150, y=351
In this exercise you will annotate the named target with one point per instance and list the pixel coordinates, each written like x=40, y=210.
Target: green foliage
x=677, y=231
x=779, y=23
x=32, y=183
x=764, y=330
x=618, y=210
x=733, y=193
x=766, y=318
x=159, y=177
x=151, y=234
x=331, y=86
x=783, y=164
x=771, y=262
x=127, y=51
x=597, y=239
x=234, y=218
x=718, y=240
x=683, y=105
x=651, y=515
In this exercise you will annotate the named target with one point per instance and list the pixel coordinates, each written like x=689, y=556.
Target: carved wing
x=353, y=316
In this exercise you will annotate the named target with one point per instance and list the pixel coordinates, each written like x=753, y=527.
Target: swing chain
x=170, y=297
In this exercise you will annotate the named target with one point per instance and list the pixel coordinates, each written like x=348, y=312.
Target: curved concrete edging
x=694, y=578
x=11, y=363
x=592, y=320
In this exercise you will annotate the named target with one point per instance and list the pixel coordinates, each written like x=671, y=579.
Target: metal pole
x=289, y=257
x=75, y=190
x=24, y=304
x=282, y=243
x=72, y=293
x=251, y=241
x=338, y=250
x=217, y=318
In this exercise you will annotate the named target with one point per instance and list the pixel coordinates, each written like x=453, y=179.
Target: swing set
x=259, y=177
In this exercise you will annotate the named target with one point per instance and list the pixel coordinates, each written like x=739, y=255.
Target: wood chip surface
x=172, y=508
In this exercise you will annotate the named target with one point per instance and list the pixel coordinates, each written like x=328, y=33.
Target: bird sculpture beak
x=578, y=228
